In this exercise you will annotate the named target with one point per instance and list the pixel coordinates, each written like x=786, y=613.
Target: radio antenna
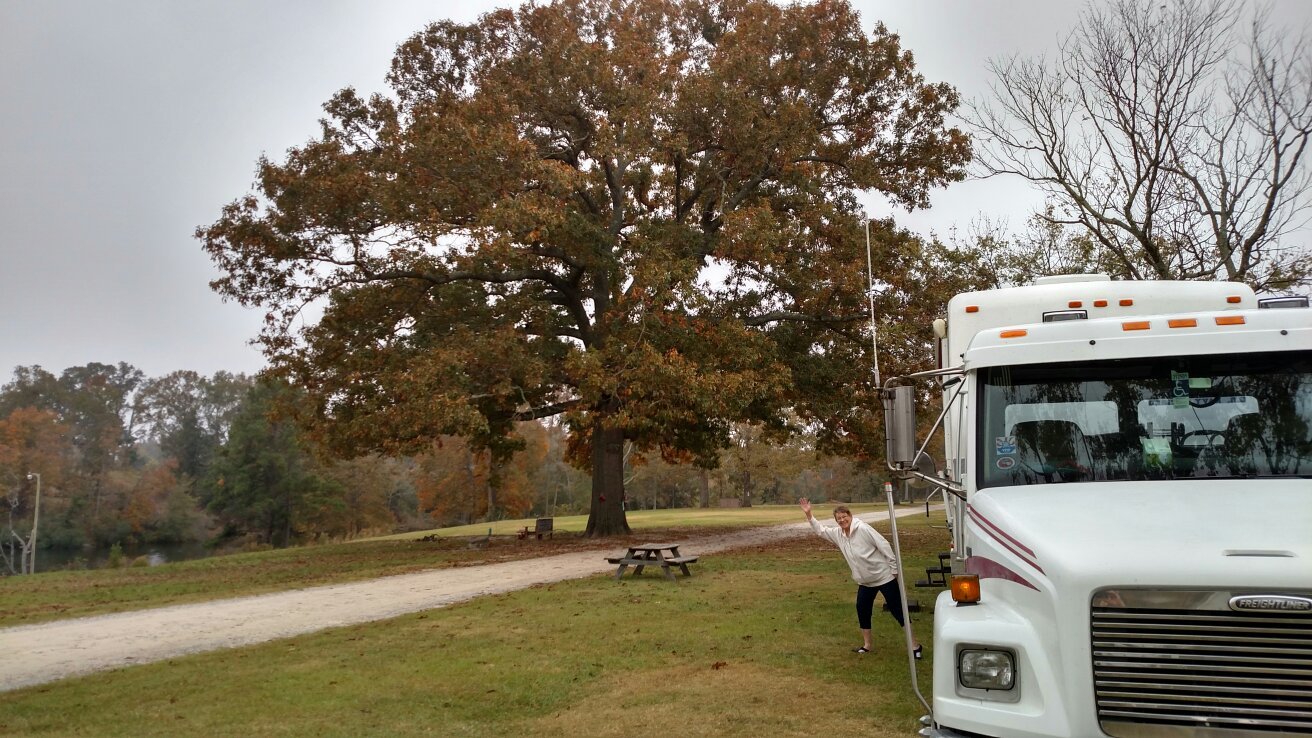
x=870, y=295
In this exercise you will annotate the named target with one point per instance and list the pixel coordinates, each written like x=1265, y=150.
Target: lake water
x=155, y=553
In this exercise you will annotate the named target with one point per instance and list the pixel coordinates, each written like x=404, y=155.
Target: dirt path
x=36, y=654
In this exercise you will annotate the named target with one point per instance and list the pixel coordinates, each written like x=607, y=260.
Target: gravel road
x=36, y=654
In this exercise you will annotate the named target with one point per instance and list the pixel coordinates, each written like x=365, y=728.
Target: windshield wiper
x=1250, y=476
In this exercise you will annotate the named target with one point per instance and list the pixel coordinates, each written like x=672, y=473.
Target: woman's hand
x=806, y=507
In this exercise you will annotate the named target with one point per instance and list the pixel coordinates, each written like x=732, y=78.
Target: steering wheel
x=1211, y=434
x=1201, y=402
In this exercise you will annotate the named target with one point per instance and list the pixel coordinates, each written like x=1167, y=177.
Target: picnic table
x=664, y=555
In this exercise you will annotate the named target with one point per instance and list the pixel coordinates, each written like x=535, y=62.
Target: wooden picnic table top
x=655, y=547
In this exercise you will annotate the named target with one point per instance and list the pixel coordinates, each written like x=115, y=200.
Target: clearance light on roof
x=1182, y=323
x=1230, y=320
x=1135, y=325
x=1014, y=333
x=972, y=308
x=1234, y=299
x=1100, y=303
x=1074, y=304
x=1126, y=303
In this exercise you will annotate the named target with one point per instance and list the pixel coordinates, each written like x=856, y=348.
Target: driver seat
x=1246, y=444
x=1055, y=449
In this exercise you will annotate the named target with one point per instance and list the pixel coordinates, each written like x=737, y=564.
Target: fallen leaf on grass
x=719, y=665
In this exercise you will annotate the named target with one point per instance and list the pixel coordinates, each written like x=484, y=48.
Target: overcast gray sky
x=127, y=123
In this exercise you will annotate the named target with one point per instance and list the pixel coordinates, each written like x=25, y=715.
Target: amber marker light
x=972, y=308
x=1182, y=323
x=1234, y=299
x=1100, y=303
x=965, y=589
x=1074, y=304
x=1230, y=320
x=1135, y=325
x=1126, y=303
x=1014, y=334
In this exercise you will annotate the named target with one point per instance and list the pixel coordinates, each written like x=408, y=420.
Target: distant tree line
x=125, y=458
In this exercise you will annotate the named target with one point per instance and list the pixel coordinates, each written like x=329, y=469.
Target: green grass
x=755, y=643
x=734, y=517
x=25, y=600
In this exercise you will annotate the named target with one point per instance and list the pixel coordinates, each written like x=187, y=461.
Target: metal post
x=36, y=522
x=902, y=588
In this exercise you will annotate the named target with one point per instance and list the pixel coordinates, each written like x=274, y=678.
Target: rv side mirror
x=900, y=426
x=925, y=465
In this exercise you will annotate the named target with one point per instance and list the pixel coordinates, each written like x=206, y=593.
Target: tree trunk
x=287, y=521
x=705, y=479
x=493, y=482
x=606, y=516
x=472, y=478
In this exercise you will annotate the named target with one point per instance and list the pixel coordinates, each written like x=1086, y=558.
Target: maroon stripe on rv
x=990, y=569
x=998, y=535
x=985, y=521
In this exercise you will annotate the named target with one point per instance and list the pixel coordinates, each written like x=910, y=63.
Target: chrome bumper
x=930, y=730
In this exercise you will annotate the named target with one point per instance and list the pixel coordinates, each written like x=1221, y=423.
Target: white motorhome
x=1130, y=475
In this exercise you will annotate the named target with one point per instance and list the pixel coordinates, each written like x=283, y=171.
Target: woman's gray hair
x=842, y=508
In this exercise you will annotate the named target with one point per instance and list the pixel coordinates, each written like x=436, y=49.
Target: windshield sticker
x=1180, y=390
x=1004, y=445
x=1006, y=462
x=1200, y=383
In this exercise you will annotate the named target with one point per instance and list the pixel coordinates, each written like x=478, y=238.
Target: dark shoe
x=862, y=649
x=918, y=653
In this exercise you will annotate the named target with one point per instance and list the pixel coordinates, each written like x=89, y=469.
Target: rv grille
x=1211, y=671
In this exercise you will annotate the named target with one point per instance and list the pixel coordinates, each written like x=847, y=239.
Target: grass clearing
x=755, y=643
x=639, y=520
x=54, y=595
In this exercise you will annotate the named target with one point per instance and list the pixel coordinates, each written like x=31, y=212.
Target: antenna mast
x=870, y=295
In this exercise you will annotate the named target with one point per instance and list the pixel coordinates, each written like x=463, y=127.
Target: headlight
x=986, y=669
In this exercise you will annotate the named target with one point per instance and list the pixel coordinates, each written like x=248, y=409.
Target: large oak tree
x=640, y=213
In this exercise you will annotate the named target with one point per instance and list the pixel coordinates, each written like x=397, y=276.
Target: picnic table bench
x=653, y=554
x=543, y=527
x=481, y=541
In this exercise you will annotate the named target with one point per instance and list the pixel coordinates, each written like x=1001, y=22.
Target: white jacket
x=867, y=552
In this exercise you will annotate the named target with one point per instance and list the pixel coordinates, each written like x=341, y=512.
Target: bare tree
x=1179, y=147
x=1043, y=246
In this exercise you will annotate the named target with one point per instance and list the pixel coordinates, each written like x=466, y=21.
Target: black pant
x=865, y=602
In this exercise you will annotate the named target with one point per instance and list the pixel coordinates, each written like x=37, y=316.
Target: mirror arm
x=939, y=420
x=943, y=484
x=952, y=371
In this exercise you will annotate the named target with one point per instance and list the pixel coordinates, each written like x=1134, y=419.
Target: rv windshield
x=1195, y=417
